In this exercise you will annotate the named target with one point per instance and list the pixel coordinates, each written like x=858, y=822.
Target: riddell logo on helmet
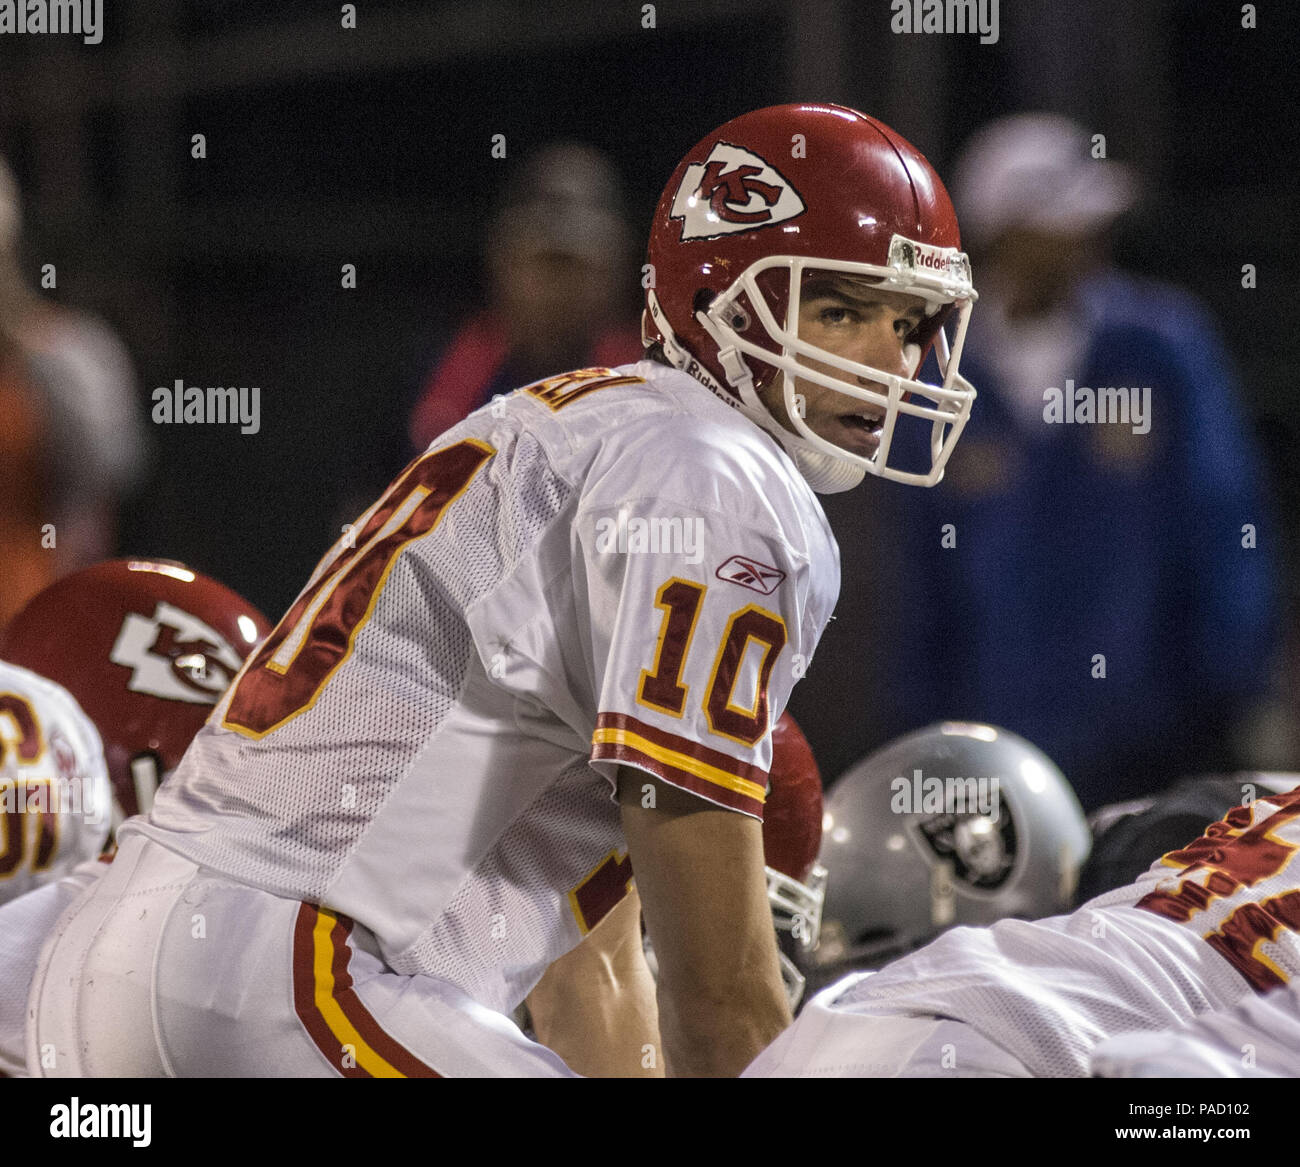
x=909, y=255
x=732, y=190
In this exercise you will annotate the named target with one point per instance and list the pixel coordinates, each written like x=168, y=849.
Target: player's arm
x=699, y=870
x=683, y=712
x=595, y=1006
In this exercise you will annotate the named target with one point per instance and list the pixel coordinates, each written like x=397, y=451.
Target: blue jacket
x=1074, y=541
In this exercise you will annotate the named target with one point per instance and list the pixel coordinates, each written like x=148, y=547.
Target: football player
x=551, y=652
x=55, y=809
x=146, y=647
x=1259, y=1038
x=956, y=823
x=132, y=656
x=55, y=800
x=1197, y=936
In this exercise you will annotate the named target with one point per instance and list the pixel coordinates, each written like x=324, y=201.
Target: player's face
x=864, y=324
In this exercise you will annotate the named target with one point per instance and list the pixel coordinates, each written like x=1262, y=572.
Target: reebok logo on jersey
x=749, y=573
x=175, y=656
x=733, y=190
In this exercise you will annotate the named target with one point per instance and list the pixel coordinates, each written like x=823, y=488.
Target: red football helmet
x=147, y=647
x=765, y=202
x=792, y=838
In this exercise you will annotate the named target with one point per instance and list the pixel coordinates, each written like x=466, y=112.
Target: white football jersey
x=1195, y=934
x=607, y=568
x=1259, y=1038
x=56, y=799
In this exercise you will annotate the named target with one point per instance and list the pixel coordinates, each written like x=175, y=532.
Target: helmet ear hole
x=733, y=315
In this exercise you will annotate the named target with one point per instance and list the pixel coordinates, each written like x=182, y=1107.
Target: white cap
x=1036, y=171
x=567, y=198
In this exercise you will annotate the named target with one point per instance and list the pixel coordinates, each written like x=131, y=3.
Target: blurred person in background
x=71, y=439
x=1080, y=541
x=560, y=265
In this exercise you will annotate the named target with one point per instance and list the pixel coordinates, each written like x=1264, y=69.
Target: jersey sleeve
x=699, y=630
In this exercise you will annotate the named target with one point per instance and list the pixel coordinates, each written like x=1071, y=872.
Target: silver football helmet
x=956, y=823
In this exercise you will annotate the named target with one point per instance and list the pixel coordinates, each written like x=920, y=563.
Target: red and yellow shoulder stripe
x=681, y=762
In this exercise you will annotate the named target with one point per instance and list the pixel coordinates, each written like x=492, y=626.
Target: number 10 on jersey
x=661, y=687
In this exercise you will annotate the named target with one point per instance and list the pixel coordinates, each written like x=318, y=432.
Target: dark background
x=372, y=147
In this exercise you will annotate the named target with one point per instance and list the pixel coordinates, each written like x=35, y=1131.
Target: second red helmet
x=147, y=647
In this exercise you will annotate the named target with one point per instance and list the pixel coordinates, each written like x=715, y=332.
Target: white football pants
x=163, y=968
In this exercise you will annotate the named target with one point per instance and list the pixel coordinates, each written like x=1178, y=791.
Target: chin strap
x=824, y=472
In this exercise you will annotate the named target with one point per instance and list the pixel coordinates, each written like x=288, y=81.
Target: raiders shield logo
x=978, y=850
x=733, y=190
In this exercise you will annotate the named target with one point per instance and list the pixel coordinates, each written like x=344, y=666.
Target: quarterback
x=440, y=770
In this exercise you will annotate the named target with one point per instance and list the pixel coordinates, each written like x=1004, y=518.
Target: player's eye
x=905, y=326
x=836, y=314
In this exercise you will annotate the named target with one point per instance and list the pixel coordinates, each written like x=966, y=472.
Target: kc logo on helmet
x=733, y=190
x=175, y=656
